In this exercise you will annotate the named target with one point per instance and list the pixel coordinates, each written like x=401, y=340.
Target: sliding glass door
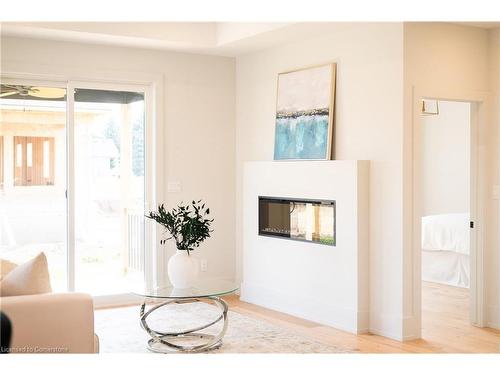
x=72, y=182
x=33, y=212
x=109, y=189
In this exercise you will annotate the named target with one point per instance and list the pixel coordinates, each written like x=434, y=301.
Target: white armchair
x=51, y=323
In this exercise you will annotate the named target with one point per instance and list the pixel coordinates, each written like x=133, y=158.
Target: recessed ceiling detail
x=217, y=38
x=212, y=38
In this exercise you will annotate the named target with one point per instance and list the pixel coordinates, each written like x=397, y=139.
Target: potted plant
x=188, y=226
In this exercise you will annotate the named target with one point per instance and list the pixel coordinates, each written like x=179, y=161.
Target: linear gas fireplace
x=298, y=219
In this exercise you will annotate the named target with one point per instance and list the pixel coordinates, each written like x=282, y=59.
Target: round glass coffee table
x=170, y=342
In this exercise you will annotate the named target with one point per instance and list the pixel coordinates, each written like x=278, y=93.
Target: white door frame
x=152, y=86
x=478, y=186
x=107, y=300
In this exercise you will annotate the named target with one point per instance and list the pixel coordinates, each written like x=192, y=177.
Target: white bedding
x=446, y=232
x=446, y=267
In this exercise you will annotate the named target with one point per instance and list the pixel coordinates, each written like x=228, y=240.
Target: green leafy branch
x=188, y=225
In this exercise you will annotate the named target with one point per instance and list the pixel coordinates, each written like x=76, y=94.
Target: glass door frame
x=55, y=84
x=152, y=251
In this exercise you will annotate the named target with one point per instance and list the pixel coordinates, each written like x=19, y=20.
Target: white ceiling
x=217, y=38
x=220, y=38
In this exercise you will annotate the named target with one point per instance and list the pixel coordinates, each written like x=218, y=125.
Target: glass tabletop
x=204, y=288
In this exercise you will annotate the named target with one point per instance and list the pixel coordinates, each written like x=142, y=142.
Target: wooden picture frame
x=305, y=113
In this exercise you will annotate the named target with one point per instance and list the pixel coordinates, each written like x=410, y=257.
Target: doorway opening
x=447, y=212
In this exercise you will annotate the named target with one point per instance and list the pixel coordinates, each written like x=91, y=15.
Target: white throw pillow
x=31, y=277
x=5, y=267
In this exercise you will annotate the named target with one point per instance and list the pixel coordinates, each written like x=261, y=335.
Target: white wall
x=326, y=284
x=373, y=122
x=446, y=61
x=446, y=159
x=198, y=124
x=369, y=117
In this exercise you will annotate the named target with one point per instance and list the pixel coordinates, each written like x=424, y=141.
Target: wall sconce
x=430, y=107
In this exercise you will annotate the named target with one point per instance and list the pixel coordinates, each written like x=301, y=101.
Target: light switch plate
x=174, y=187
x=203, y=265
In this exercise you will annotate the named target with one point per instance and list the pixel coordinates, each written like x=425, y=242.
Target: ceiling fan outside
x=34, y=91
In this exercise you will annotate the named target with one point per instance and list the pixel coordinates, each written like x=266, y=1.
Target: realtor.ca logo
x=33, y=349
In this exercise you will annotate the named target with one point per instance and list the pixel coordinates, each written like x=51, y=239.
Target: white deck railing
x=135, y=241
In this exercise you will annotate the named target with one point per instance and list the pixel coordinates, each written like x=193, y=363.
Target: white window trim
x=152, y=86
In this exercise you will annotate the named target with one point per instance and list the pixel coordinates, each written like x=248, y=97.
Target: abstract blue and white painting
x=303, y=124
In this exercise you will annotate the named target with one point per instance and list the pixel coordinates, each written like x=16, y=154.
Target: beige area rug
x=119, y=331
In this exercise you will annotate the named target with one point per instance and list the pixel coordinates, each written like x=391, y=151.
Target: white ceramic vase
x=182, y=270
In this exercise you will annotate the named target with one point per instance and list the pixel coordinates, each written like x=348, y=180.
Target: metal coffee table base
x=165, y=342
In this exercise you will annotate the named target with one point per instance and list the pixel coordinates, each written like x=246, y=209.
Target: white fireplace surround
x=325, y=284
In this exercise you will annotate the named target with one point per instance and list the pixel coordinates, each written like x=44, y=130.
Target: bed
x=446, y=249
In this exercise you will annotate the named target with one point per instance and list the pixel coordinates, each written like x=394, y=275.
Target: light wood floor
x=445, y=326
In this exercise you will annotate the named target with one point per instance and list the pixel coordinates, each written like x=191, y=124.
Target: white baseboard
x=394, y=327
x=116, y=300
x=411, y=328
x=494, y=325
x=493, y=316
x=318, y=311
x=363, y=321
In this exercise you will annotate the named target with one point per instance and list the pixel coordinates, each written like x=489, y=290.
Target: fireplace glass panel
x=298, y=219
